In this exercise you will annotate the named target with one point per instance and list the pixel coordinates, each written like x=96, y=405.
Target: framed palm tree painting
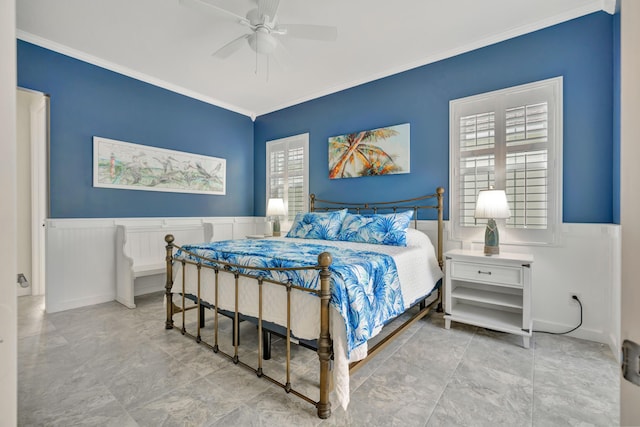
x=383, y=151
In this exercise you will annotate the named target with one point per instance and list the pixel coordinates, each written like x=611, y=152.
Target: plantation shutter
x=477, y=162
x=527, y=185
x=511, y=140
x=287, y=173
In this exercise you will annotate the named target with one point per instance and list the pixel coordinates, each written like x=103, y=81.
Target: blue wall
x=89, y=101
x=580, y=50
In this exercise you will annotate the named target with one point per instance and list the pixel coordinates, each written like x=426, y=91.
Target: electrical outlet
x=572, y=300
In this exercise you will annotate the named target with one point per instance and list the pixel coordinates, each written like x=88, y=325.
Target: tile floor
x=106, y=365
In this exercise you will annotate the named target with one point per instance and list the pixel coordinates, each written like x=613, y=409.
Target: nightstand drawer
x=487, y=273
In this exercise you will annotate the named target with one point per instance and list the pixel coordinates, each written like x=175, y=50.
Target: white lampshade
x=275, y=207
x=492, y=204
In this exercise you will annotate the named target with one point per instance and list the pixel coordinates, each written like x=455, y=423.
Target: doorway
x=32, y=142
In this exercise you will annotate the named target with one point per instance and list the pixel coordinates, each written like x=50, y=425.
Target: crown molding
x=611, y=6
x=120, y=69
x=608, y=6
x=591, y=7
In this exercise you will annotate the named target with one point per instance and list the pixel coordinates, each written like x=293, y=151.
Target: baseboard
x=125, y=303
x=615, y=347
x=595, y=335
x=79, y=302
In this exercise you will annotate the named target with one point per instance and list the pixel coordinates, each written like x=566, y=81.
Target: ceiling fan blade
x=230, y=48
x=268, y=8
x=310, y=32
x=206, y=7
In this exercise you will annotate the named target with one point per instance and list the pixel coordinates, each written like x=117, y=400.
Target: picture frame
x=128, y=166
x=382, y=151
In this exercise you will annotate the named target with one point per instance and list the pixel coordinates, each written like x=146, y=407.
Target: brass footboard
x=323, y=405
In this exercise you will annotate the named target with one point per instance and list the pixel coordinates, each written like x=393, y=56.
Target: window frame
x=499, y=101
x=285, y=144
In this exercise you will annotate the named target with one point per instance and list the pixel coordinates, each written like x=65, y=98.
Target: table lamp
x=492, y=205
x=275, y=208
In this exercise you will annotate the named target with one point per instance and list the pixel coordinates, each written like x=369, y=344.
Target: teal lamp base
x=276, y=227
x=491, y=239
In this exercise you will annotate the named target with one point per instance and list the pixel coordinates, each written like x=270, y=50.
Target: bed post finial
x=312, y=203
x=169, y=284
x=325, y=259
x=324, y=342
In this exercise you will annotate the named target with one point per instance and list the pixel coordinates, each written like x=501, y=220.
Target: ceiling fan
x=265, y=30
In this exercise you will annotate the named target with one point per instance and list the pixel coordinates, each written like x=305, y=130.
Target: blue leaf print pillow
x=387, y=229
x=317, y=225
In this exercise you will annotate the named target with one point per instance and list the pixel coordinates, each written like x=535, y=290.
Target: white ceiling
x=170, y=45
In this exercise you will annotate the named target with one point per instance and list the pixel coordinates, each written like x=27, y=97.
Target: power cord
x=575, y=297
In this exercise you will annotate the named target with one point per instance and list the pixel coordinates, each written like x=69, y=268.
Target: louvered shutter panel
x=477, y=163
x=277, y=172
x=527, y=184
x=296, y=195
x=287, y=172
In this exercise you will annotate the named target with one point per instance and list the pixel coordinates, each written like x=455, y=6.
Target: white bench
x=140, y=253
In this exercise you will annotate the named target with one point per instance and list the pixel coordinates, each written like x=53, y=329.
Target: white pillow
x=417, y=238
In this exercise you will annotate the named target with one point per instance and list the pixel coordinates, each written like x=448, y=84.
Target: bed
x=343, y=272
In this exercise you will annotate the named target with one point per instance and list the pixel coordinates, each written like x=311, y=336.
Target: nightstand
x=256, y=236
x=492, y=292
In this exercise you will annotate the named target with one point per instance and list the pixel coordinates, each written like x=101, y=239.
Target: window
x=510, y=139
x=288, y=173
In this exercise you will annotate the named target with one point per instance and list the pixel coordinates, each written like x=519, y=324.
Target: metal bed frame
x=324, y=342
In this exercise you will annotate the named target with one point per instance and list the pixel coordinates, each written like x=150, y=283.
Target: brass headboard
x=416, y=204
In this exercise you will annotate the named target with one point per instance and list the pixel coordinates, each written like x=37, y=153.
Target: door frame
x=629, y=199
x=8, y=214
x=39, y=122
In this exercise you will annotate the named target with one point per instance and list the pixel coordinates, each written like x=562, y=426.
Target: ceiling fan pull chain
x=256, y=70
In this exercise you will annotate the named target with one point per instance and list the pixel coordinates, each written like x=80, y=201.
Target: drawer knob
x=484, y=272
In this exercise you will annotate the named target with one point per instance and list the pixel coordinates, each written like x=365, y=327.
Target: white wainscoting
x=81, y=268
x=81, y=255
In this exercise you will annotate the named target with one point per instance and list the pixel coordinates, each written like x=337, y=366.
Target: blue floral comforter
x=364, y=285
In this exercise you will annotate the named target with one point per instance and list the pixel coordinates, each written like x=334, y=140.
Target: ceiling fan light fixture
x=265, y=28
x=262, y=42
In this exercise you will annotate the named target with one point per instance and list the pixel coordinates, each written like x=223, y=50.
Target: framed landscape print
x=129, y=166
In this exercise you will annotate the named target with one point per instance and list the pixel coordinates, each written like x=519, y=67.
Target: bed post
x=169, y=284
x=324, y=343
x=440, y=192
x=312, y=202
